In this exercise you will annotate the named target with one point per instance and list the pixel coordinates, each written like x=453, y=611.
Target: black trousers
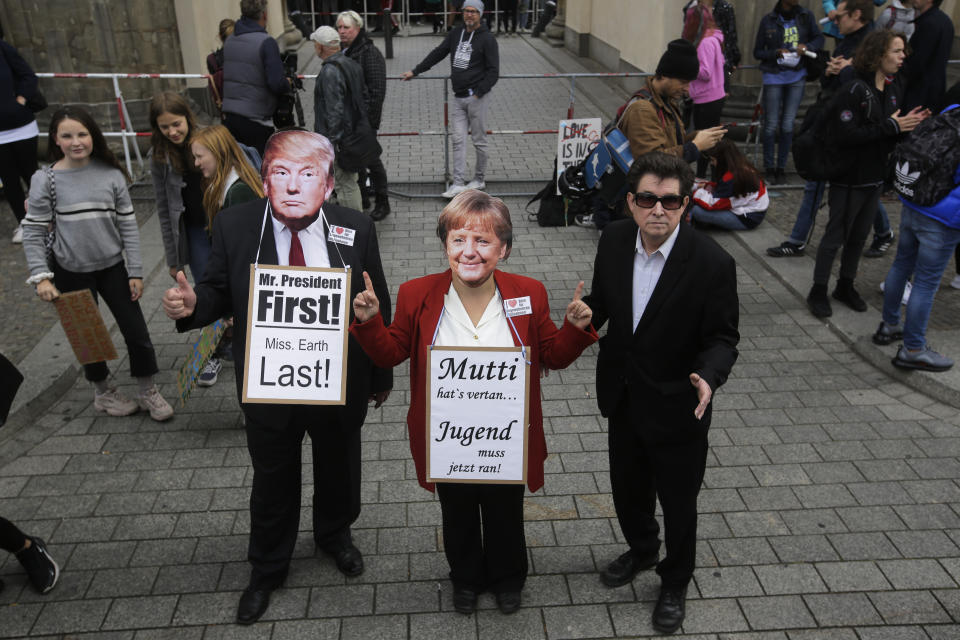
x=378, y=178
x=247, y=131
x=508, y=15
x=274, y=448
x=18, y=161
x=852, y=211
x=113, y=284
x=483, y=535
x=706, y=115
x=11, y=538
x=641, y=472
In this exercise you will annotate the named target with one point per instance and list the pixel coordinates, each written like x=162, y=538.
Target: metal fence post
x=123, y=126
x=446, y=135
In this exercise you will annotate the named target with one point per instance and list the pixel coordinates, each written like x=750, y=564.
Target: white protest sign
x=297, y=335
x=477, y=415
x=575, y=140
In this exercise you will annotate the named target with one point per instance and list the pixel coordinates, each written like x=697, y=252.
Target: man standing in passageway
x=474, y=69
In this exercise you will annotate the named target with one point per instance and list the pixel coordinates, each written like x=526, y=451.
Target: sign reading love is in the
x=575, y=140
x=477, y=415
x=296, y=335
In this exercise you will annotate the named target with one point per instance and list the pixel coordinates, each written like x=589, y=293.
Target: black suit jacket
x=689, y=325
x=225, y=288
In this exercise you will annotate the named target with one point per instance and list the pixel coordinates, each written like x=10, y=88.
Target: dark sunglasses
x=649, y=201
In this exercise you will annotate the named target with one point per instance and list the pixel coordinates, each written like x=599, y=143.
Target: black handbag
x=358, y=148
x=37, y=102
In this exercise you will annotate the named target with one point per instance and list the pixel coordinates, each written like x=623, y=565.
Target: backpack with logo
x=924, y=165
x=816, y=156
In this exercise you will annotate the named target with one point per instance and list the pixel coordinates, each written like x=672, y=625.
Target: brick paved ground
x=830, y=510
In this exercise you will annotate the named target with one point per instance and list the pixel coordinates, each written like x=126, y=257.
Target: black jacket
x=339, y=97
x=689, y=325
x=374, y=68
x=482, y=71
x=770, y=37
x=863, y=129
x=16, y=79
x=224, y=290
x=925, y=70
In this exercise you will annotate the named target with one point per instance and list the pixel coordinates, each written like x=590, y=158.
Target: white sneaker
x=906, y=290
x=153, y=402
x=955, y=283
x=477, y=184
x=454, y=190
x=17, y=237
x=114, y=403
x=211, y=371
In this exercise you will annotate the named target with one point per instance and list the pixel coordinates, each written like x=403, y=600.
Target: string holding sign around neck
x=335, y=244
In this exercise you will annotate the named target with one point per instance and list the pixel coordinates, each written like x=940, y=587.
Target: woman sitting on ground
x=737, y=199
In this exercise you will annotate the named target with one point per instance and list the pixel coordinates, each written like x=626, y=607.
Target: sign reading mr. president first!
x=297, y=335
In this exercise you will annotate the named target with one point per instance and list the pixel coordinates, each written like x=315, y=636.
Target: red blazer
x=419, y=303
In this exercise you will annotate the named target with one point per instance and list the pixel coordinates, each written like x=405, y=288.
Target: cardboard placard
x=477, y=415
x=297, y=335
x=203, y=348
x=84, y=327
x=575, y=140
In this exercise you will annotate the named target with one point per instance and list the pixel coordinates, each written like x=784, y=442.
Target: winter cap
x=679, y=61
x=327, y=36
x=473, y=4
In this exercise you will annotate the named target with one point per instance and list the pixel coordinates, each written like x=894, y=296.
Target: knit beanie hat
x=473, y=4
x=679, y=61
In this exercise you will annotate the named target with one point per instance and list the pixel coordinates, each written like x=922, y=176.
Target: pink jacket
x=708, y=87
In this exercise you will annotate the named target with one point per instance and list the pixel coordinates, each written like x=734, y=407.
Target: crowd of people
x=671, y=331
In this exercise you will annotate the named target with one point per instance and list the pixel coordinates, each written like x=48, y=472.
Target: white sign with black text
x=297, y=321
x=477, y=415
x=575, y=141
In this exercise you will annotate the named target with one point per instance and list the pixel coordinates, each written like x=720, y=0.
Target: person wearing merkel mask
x=473, y=304
x=668, y=295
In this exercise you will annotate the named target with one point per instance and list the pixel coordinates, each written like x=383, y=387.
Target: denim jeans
x=780, y=104
x=469, y=112
x=807, y=213
x=200, y=249
x=923, y=251
x=881, y=222
x=723, y=219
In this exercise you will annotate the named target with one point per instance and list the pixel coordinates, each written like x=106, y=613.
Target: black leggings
x=114, y=285
x=18, y=161
x=11, y=538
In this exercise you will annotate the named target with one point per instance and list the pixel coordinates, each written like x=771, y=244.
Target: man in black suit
x=297, y=180
x=670, y=295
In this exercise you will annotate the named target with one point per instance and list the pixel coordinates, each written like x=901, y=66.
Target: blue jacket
x=770, y=37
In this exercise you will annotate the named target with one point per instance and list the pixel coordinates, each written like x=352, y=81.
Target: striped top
x=95, y=221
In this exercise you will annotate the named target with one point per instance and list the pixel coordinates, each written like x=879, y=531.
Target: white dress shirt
x=312, y=239
x=457, y=329
x=646, y=272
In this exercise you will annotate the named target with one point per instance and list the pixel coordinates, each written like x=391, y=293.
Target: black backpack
x=816, y=155
x=924, y=164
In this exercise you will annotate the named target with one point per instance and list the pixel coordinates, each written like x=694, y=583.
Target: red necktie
x=296, y=251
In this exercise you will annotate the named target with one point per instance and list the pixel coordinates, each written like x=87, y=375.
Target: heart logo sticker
x=339, y=230
x=512, y=303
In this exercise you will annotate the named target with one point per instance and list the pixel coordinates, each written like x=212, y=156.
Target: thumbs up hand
x=365, y=304
x=579, y=313
x=179, y=301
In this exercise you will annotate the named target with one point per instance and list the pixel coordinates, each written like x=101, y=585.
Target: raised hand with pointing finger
x=579, y=313
x=179, y=301
x=365, y=304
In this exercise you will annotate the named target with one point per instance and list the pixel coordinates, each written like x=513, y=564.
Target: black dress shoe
x=253, y=604
x=508, y=602
x=670, y=610
x=348, y=558
x=623, y=569
x=381, y=210
x=465, y=600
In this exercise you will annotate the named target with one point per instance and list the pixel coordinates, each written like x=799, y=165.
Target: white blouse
x=456, y=329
